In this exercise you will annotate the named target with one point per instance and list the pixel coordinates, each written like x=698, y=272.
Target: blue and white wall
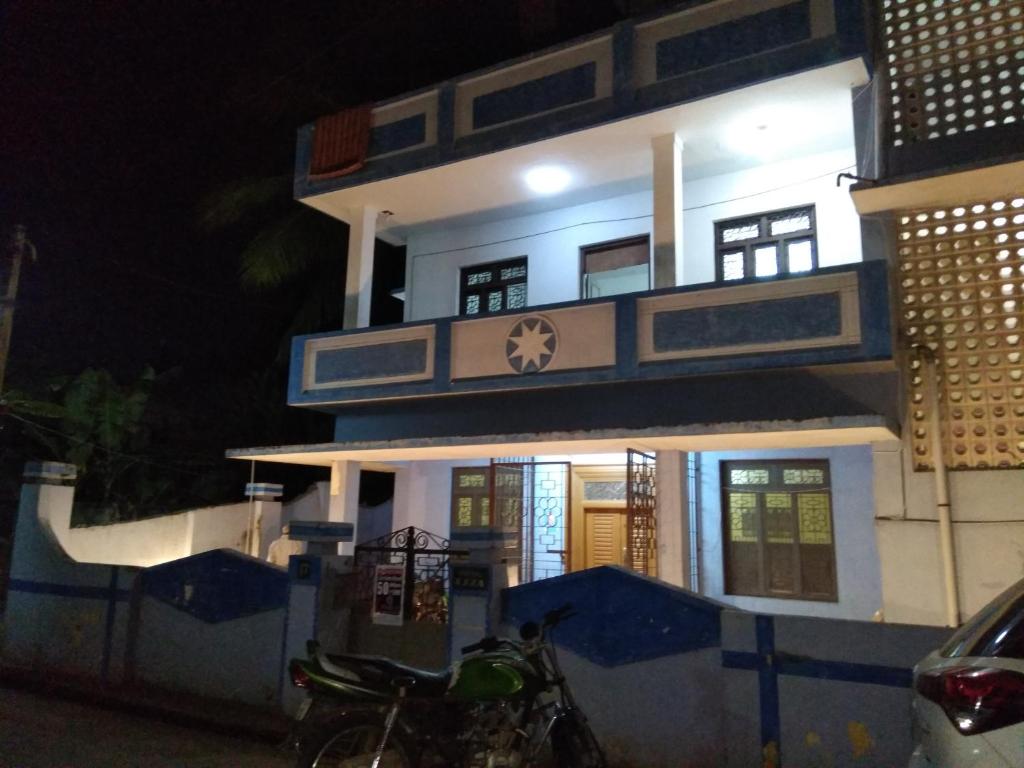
x=858, y=570
x=552, y=240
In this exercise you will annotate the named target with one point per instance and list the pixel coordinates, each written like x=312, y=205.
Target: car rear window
x=995, y=630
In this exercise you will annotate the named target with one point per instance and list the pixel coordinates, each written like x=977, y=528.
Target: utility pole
x=17, y=248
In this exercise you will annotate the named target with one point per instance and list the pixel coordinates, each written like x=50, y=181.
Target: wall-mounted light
x=547, y=179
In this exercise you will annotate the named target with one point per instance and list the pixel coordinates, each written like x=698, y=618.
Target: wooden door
x=605, y=542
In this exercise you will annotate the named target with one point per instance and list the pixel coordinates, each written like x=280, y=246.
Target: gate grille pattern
x=533, y=499
x=962, y=296
x=425, y=557
x=954, y=66
x=640, y=509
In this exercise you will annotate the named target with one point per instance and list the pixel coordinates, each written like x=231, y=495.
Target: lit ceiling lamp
x=547, y=179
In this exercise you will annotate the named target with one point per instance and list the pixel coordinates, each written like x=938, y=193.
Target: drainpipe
x=927, y=357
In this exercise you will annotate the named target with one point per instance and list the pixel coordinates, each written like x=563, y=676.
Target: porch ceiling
x=803, y=113
x=848, y=430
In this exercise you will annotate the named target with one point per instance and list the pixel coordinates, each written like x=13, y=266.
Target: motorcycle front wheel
x=352, y=742
x=574, y=744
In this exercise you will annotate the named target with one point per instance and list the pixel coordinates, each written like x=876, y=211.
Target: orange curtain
x=340, y=142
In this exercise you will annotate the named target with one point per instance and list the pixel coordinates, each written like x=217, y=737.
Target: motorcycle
x=505, y=705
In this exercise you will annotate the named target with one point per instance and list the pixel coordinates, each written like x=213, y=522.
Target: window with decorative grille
x=777, y=529
x=766, y=244
x=962, y=295
x=493, y=287
x=954, y=66
x=471, y=497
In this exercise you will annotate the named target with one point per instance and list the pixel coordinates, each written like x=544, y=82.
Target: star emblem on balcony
x=531, y=344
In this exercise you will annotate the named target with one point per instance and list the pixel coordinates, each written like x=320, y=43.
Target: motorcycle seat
x=384, y=673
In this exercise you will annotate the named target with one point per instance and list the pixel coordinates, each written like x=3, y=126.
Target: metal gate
x=531, y=502
x=641, y=545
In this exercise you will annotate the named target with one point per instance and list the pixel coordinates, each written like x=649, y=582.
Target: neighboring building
x=632, y=251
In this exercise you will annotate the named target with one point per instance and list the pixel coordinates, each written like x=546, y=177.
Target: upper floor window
x=767, y=244
x=777, y=521
x=493, y=287
x=620, y=266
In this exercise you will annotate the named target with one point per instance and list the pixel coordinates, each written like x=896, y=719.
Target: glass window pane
x=743, y=517
x=485, y=511
x=511, y=273
x=613, y=282
x=800, y=256
x=494, y=301
x=766, y=263
x=815, y=521
x=474, y=480
x=479, y=278
x=739, y=232
x=803, y=476
x=748, y=477
x=604, y=490
x=472, y=304
x=464, y=512
x=778, y=522
x=517, y=296
x=793, y=222
x=732, y=265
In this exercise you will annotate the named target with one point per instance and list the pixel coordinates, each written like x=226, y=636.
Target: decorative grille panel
x=954, y=66
x=961, y=295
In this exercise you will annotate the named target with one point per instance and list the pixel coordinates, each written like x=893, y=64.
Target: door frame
x=577, y=521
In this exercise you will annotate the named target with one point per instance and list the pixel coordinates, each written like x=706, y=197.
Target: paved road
x=38, y=732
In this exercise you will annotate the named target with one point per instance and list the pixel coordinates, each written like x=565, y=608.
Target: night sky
x=119, y=120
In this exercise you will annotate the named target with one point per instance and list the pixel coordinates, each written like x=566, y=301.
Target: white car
x=969, y=694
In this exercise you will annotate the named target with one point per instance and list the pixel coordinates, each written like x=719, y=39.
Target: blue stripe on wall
x=65, y=590
x=399, y=135
x=108, y=630
x=744, y=37
x=768, y=687
x=373, y=361
x=771, y=320
x=570, y=86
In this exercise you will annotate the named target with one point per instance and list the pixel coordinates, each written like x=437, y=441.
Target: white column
x=343, y=506
x=668, y=210
x=362, y=229
x=673, y=518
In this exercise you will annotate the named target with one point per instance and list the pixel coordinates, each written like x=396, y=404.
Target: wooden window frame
x=775, y=485
x=483, y=289
x=609, y=245
x=483, y=494
x=781, y=242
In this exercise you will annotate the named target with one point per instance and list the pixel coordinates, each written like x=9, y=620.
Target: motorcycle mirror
x=529, y=630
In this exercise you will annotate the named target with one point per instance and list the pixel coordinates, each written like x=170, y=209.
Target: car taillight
x=300, y=678
x=976, y=700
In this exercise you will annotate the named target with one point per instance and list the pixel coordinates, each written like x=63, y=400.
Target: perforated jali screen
x=953, y=65
x=962, y=295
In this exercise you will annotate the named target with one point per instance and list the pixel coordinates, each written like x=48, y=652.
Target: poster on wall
x=388, y=594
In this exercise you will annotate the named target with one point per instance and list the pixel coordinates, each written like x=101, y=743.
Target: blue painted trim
x=108, y=630
x=398, y=135
x=543, y=94
x=768, y=686
x=65, y=590
x=875, y=329
x=839, y=671
x=747, y=36
x=849, y=41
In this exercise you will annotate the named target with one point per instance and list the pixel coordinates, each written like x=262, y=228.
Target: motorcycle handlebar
x=552, y=618
x=487, y=644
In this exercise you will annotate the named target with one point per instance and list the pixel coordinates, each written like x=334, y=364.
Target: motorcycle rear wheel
x=574, y=744
x=351, y=742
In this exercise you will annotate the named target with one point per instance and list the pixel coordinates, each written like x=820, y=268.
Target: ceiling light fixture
x=547, y=179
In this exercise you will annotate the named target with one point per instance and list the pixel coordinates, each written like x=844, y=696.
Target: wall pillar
x=362, y=230
x=343, y=505
x=673, y=518
x=668, y=210
x=409, y=507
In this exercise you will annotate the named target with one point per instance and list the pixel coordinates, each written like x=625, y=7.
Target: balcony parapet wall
x=636, y=67
x=839, y=315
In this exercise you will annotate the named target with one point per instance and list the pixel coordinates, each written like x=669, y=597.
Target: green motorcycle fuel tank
x=492, y=676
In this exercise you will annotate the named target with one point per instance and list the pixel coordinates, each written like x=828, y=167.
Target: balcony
x=837, y=315
x=633, y=69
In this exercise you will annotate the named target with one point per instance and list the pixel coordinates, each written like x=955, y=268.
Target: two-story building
x=646, y=322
